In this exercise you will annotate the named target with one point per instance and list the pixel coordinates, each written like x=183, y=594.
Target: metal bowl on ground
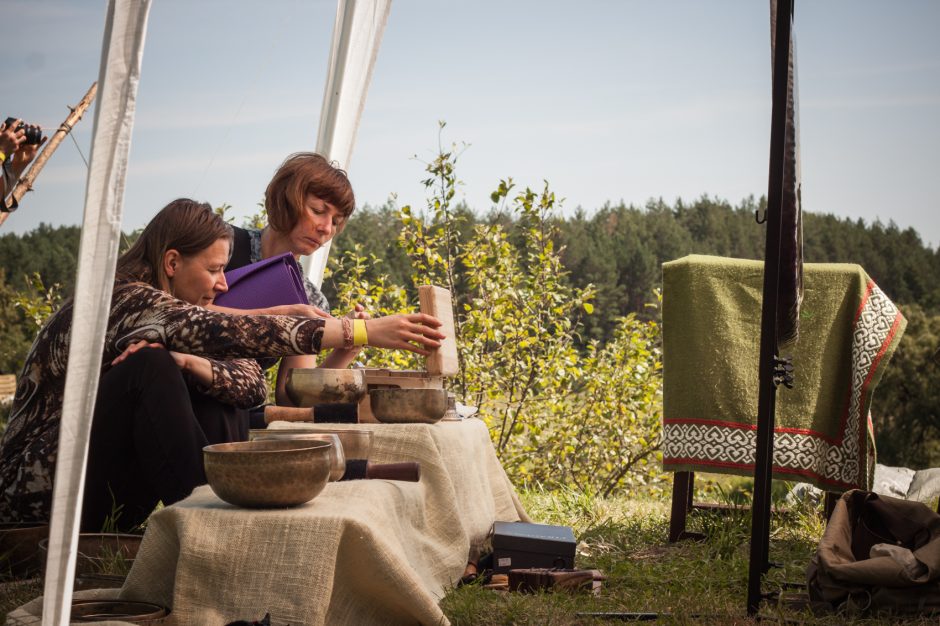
x=268, y=474
x=407, y=406
x=337, y=455
x=307, y=386
x=118, y=610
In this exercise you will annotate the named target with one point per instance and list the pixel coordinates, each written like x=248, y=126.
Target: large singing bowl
x=268, y=474
x=307, y=386
x=408, y=406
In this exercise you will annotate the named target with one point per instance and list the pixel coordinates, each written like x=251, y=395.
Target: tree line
x=619, y=249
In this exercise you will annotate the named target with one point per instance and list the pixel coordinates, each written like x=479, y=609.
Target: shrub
x=557, y=415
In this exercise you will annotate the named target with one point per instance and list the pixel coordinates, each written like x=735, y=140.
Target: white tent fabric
x=357, y=34
x=121, y=53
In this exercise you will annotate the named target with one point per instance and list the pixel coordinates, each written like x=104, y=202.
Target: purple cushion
x=271, y=282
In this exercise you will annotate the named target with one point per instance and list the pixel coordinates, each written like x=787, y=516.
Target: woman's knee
x=148, y=366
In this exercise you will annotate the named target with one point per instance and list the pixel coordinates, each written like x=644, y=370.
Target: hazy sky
x=607, y=100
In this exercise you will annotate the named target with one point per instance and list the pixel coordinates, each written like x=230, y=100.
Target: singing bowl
x=357, y=443
x=268, y=474
x=407, y=406
x=337, y=455
x=307, y=386
x=122, y=610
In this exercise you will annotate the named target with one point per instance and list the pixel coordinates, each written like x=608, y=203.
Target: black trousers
x=147, y=437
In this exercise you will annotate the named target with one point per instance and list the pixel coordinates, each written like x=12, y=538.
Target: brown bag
x=901, y=574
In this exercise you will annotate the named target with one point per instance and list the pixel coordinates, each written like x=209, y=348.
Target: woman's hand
x=198, y=368
x=134, y=347
x=359, y=313
x=415, y=332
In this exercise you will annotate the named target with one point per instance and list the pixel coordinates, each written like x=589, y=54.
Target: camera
x=33, y=133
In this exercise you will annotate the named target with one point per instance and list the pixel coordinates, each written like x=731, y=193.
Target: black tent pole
x=766, y=404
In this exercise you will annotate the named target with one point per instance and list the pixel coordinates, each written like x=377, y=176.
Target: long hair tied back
x=183, y=225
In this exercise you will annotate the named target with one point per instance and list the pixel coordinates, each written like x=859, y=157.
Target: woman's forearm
x=339, y=359
x=198, y=368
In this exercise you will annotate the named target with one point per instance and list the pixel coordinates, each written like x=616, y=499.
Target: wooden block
x=437, y=301
x=7, y=387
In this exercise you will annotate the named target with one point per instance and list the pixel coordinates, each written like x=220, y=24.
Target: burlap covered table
x=367, y=551
x=711, y=327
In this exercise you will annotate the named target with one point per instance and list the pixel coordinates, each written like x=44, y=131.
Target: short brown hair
x=300, y=175
x=184, y=225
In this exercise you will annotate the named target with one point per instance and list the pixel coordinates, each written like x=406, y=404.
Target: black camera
x=33, y=133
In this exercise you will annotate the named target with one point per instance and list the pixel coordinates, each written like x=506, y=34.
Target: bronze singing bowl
x=337, y=455
x=307, y=386
x=407, y=406
x=357, y=443
x=268, y=474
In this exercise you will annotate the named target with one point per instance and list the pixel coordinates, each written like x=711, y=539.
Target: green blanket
x=711, y=333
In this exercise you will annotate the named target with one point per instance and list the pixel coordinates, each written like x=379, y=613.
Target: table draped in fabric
x=361, y=552
x=849, y=330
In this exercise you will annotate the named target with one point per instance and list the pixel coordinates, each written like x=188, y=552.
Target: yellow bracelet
x=360, y=336
x=3, y=157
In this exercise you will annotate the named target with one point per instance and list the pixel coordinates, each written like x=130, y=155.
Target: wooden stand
x=683, y=489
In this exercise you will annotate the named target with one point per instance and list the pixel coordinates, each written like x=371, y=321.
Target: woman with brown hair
x=170, y=368
x=308, y=202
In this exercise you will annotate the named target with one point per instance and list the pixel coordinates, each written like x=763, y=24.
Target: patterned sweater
x=138, y=311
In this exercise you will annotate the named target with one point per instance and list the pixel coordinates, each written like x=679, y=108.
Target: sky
x=607, y=100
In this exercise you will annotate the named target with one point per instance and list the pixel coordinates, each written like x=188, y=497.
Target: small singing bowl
x=407, y=406
x=337, y=456
x=123, y=610
x=307, y=386
x=357, y=443
x=268, y=474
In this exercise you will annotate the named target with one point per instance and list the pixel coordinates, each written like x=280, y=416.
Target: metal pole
x=766, y=405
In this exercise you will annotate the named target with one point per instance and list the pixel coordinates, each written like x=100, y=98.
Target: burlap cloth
x=711, y=330
x=362, y=552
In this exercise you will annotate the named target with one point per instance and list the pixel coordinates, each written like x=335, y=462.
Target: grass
x=626, y=537
x=686, y=583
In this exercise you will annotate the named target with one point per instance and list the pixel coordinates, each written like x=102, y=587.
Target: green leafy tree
x=906, y=406
x=557, y=414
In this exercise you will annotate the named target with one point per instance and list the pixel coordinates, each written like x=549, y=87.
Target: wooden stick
x=274, y=413
x=25, y=183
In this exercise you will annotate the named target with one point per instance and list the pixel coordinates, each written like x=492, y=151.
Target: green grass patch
x=686, y=583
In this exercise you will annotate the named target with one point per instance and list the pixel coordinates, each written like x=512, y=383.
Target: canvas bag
x=902, y=570
x=270, y=282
